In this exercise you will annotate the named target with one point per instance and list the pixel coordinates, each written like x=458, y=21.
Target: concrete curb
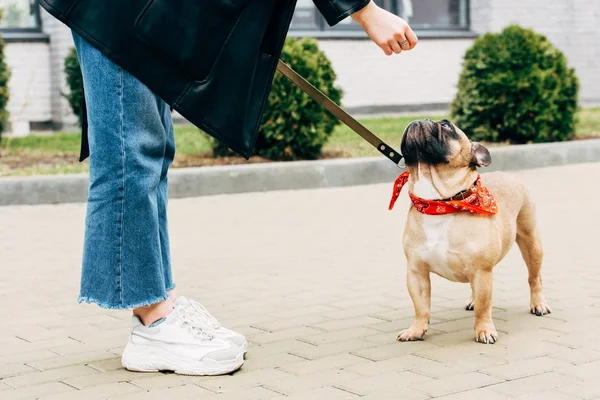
x=206, y=181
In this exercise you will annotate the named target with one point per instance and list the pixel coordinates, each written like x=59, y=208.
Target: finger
x=402, y=41
x=386, y=49
x=412, y=38
x=395, y=47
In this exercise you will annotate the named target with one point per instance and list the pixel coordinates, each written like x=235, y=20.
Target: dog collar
x=477, y=199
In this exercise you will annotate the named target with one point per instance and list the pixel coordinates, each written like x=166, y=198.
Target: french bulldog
x=463, y=246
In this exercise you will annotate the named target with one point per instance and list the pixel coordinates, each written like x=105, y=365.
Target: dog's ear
x=481, y=155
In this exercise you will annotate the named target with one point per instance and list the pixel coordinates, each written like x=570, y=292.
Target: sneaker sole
x=139, y=358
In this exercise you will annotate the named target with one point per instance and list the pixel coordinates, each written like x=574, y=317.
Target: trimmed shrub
x=294, y=127
x=516, y=86
x=4, y=95
x=75, y=83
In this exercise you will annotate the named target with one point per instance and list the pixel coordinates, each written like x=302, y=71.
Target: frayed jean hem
x=119, y=306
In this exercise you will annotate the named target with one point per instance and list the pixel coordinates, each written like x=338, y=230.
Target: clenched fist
x=387, y=30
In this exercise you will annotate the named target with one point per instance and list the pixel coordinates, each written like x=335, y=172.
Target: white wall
x=29, y=84
x=426, y=75
x=61, y=42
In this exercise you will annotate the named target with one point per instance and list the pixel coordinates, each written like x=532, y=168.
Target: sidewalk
x=316, y=280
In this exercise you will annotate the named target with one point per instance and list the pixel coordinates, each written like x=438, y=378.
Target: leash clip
x=401, y=164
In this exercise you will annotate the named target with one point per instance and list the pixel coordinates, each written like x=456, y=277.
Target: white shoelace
x=196, y=323
x=204, y=316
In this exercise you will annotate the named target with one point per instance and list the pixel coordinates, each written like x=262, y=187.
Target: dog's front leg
x=419, y=287
x=482, y=283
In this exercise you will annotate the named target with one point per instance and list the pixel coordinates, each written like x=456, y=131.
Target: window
x=436, y=15
x=20, y=15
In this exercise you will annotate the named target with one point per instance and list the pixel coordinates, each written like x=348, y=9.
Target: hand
x=387, y=30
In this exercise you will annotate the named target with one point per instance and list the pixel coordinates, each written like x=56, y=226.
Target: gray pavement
x=316, y=280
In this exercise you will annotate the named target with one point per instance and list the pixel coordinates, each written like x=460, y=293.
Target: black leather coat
x=211, y=60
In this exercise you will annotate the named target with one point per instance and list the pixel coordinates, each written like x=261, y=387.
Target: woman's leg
x=155, y=312
x=163, y=198
x=126, y=257
x=126, y=260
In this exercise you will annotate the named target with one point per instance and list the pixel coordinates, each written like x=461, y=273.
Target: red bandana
x=477, y=199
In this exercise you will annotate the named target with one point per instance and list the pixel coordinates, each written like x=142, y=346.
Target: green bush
x=294, y=126
x=75, y=83
x=516, y=87
x=4, y=77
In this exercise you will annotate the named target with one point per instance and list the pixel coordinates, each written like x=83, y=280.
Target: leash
x=339, y=113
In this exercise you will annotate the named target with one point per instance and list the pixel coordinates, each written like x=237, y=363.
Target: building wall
x=29, y=84
x=60, y=44
x=426, y=76
x=429, y=74
x=417, y=80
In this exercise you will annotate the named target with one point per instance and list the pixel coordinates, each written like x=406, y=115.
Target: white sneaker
x=207, y=319
x=182, y=344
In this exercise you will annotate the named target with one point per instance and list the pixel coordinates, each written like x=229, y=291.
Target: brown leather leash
x=339, y=113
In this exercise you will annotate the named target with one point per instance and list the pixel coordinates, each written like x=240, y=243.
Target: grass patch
x=588, y=123
x=345, y=141
x=58, y=153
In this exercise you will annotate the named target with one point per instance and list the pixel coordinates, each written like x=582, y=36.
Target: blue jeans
x=126, y=260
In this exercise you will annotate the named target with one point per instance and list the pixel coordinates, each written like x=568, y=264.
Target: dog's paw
x=470, y=306
x=540, y=309
x=487, y=335
x=411, y=334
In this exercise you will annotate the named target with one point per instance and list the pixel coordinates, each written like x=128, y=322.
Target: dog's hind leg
x=471, y=304
x=530, y=244
x=419, y=287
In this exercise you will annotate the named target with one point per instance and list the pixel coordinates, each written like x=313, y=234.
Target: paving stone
x=396, y=393
x=534, y=384
x=51, y=375
x=456, y=384
x=326, y=392
x=404, y=379
x=587, y=390
x=244, y=380
x=323, y=364
x=553, y=395
x=477, y=394
x=255, y=393
x=36, y=391
x=60, y=361
x=261, y=361
x=392, y=350
x=364, y=321
x=294, y=333
x=155, y=381
x=296, y=383
x=87, y=380
x=526, y=367
x=336, y=336
x=109, y=390
x=9, y=370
